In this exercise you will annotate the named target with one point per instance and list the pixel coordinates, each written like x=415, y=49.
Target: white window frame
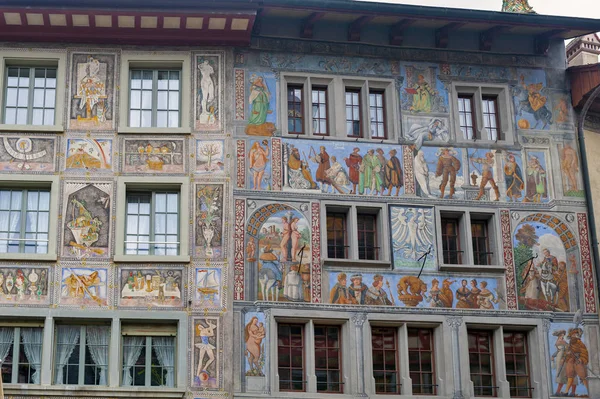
x=33, y=58
x=32, y=182
x=352, y=210
x=180, y=60
x=148, y=364
x=465, y=218
x=16, y=349
x=336, y=105
x=130, y=184
x=478, y=91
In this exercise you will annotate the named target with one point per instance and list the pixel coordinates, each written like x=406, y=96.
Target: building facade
x=291, y=200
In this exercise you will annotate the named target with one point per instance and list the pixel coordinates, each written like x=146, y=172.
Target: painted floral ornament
x=518, y=6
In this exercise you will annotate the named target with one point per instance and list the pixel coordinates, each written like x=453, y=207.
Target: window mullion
x=30, y=99
x=82, y=340
x=152, y=216
x=148, y=365
x=16, y=353
x=23, y=227
x=155, y=97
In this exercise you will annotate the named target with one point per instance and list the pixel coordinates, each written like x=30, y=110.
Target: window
x=354, y=233
x=377, y=114
x=337, y=240
x=24, y=221
x=483, y=112
x=81, y=356
x=295, y=110
x=451, y=245
x=328, y=359
x=21, y=349
x=148, y=361
x=319, y=110
x=30, y=95
x=290, y=357
x=516, y=357
x=421, y=361
x=353, y=124
x=385, y=360
x=481, y=363
x=481, y=242
x=152, y=223
x=155, y=98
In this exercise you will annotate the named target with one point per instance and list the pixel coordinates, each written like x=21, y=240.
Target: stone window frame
x=51, y=182
x=36, y=57
x=336, y=105
x=153, y=60
x=478, y=91
x=157, y=183
x=352, y=208
x=465, y=216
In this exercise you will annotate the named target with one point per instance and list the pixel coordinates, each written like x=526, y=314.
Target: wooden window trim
x=292, y=103
x=352, y=104
x=459, y=251
x=382, y=331
x=512, y=355
x=423, y=388
x=380, y=92
x=344, y=217
x=287, y=348
x=320, y=118
x=375, y=248
x=477, y=253
x=327, y=369
x=470, y=98
x=490, y=336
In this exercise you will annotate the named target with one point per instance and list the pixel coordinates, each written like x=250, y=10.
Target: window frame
x=35, y=58
x=397, y=352
x=383, y=121
x=527, y=354
x=173, y=60
x=466, y=217
x=328, y=350
x=434, y=386
x=300, y=103
x=493, y=359
x=352, y=211
x=33, y=182
x=148, y=361
x=504, y=112
x=30, y=93
x=16, y=351
x=154, y=100
x=131, y=184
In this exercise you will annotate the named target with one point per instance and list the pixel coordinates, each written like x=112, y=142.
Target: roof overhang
x=584, y=80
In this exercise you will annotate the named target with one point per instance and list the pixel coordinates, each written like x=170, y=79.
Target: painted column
x=358, y=319
x=455, y=322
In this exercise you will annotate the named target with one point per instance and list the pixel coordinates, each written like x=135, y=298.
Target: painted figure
x=292, y=286
x=563, y=111
x=422, y=95
x=251, y=250
x=299, y=173
x=463, y=295
x=487, y=175
x=353, y=163
x=536, y=188
x=260, y=98
x=562, y=283
x=531, y=101
x=434, y=295
x=323, y=160
x=559, y=359
x=339, y=292
x=91, y=91
x=577, y=359
x=569, y=162
x=436, y=130
x=393, y=173
x=376, y=295
x=208, y=93
x=513, y=178
x=447, y=167
x=370, y=178
x=422, y=174
x=485, y=298
x=295, y=236
x=259, y=156
x=357, y=289
x=285, y=238
x=254, y=334
x=337, y=175
x=205, y=347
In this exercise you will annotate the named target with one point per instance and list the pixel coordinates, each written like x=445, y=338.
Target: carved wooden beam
x=356, y=26
x=486, y=38
x=441, y=34
x=257, y=22
x=541, y=42
x=306, y=31
x=397, y=31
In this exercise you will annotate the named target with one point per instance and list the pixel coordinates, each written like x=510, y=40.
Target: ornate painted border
x=115, y=161
x=409, y=175
x=185, y=154
x=589, y=295
x=218, y=352
x=238, y=239
x=507, y=254
x=151, y=268
x=110, y=285
x=220, y=90
x=240, y=95
x=55, y=153
x=26, y=303
x=276, y=159
x=241, y=163
x=222, y=305
x=315, y=278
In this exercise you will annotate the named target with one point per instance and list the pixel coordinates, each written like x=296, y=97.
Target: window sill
x=32, y=128
x=39, y=391
x=372, y=264
x=155, y=130
x=152, y=258
x=338, y=138
x=473, y=268
x=32, y=257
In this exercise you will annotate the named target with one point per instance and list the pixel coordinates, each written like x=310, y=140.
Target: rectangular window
x=367, y=236
x=155, y=98
x=466, y=114
x=148, y=361
x=290, y=357
x=377, y=114
x=24, y=221
x=481, y=243
x=516, y=357
x=489, y=105
x=451, y=241
x=152, y=224
x=385, y=360
x=337, y=238
x=295, y=109
x=421, y=361
x=328, y=359
x=319, y=110
x=353, y=123
x=81, y=356
x=22, y=351
x=30, y=97
x=481, y=363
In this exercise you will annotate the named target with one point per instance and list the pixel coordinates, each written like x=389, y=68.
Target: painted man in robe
x=369, y=174
x=382, y=161
x=487, y=175
x=513, y=178
x=339, y=292
x=435, y=130
x=323, y=160
x=357, y=290
x=536, y=181
x=577, y=359
x=353, y=163
x=562, y=282
x=546, y=267
x=337, y=175
x=260, y=98
x=447, y=167
x=376, y=295
x=422, y=100
x=393, y=173
x=299, y=170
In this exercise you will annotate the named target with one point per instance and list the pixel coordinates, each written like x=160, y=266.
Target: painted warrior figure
x=520, y=6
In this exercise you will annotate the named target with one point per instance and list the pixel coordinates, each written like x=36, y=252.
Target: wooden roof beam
x=356, y=26
x=542, y=42
x=441, y=34
x=306, y=31
x=486, y=38
x=397, y=31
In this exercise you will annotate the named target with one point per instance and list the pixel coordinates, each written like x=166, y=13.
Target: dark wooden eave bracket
x=542, y=42
x=306, y=31
x=442, y=34
x=486, y=38
x=356, y=26
x=397, y=31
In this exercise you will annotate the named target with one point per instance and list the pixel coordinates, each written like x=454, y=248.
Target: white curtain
x=97, y=341
x=132, y=348
x=165, y=352
x=32, y=343
x=67, y=339
x=7, y=335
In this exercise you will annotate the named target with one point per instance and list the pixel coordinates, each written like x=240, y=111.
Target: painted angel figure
x=520, y=6
x=412, y=233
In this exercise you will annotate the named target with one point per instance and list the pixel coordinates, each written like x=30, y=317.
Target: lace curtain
x=132, y=348
x=97, y=343
x=165, y=352
x=7, y=335
x=67, y=339
x=32, y=344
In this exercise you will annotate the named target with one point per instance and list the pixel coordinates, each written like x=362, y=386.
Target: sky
x=567, y=8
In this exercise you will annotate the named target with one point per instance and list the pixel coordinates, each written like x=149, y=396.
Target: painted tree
x=527, y=238
x=210, y=150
